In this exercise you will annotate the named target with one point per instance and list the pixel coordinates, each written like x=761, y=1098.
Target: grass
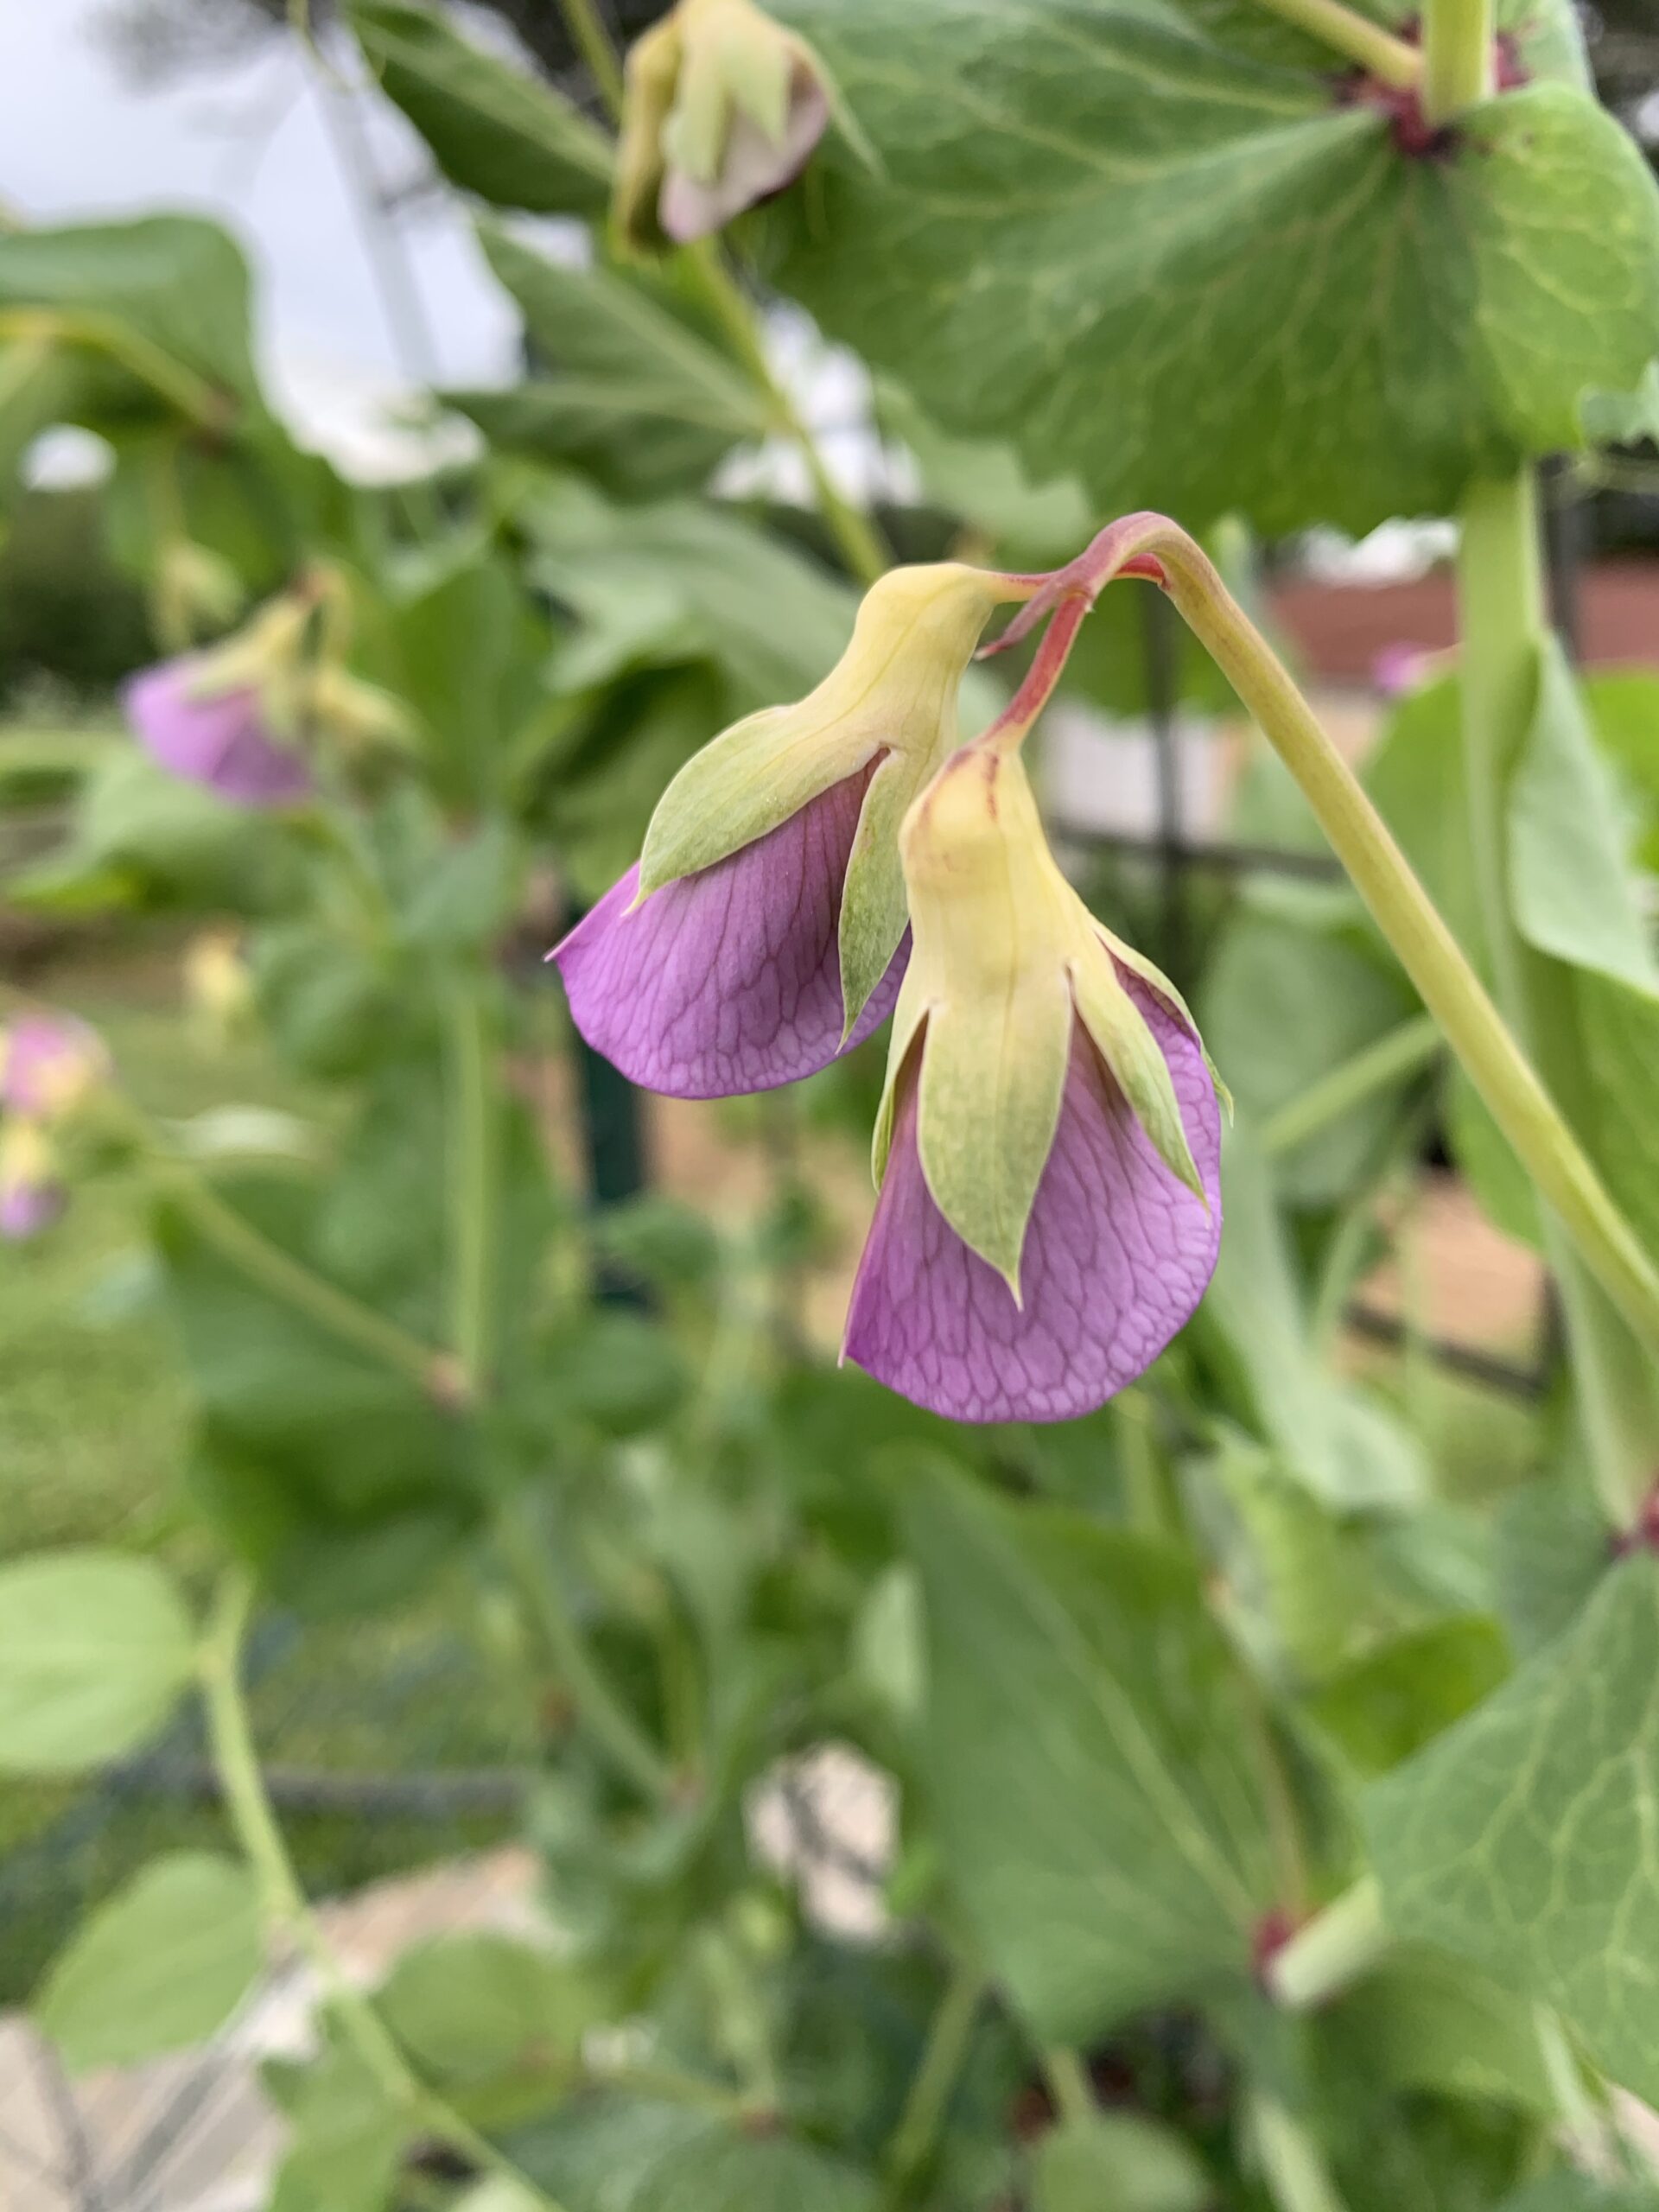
x=95, y=1433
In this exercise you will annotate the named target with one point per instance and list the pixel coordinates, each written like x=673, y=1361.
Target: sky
x=252, y=147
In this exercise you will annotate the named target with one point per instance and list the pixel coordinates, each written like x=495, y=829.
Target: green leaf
x=1084, y=1757
x=94, y=1650
x=1120, y=2160
x=631, y=383
x=1347, y=1450
x=985, y=484
x=493, y=129
x=158, y=307
x=346, y=2139
x=467, y=2007
x=1523, y=1839
x=1549, y=1550
x=1426, y=2022
x=773, y=620
x=1280, y=1007
x=1203, y=282
x=1382, y=1708
x=1571, y=886
x=617, y=2154
x=159, y=1965
x=1620, y=1029
x=1567, y=2191
x=1624, y=704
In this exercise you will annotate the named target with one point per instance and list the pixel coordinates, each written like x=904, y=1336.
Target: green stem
x=1501, y=590
x=1457, y=37
x=1377, y=1067
x=600, y=1713
x=1331, y=1950
x=1374, y=49
x=261, y=1839
x=297, y=1285
x=592, y=42
x=1381, y=873
x=854, y=533
x=1291, y=2164
x=474, y=1128
x=1069, y=2085
x=935, y=2079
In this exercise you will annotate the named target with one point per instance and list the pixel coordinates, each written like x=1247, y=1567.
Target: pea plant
x=1276, y=1803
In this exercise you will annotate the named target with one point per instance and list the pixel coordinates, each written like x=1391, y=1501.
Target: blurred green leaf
x=1624, y=705
x=1093, y=233
x=95, y=1649
x=1120, y=2160
x=468, y=2005
x=1382, y=1708
x=345, y=2139
x=1483, y=1843
x=1549, y=1550
x=493, y=129
x=630, y=381
x=616, y=2154
x=1085, y=1757
x=158, y=1966
x=1567, y=2191
x=1426, y=2022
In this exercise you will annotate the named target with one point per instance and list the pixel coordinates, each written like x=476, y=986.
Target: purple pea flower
x=32, y=1192
x=197, y=725
x=49, y=1062
x=1049, y=1144
x=763, y=931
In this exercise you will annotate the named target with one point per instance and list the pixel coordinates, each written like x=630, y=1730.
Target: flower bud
x=218, y=982
x=723, y=109
x=227, y=718
x=196, y=592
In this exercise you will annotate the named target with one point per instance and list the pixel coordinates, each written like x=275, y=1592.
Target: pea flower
x=218, y=988
x=48, y=1062
x=762, y=930
x=226, y=718
x=723, y=109
x=1048, y=1145
x=32, y=1192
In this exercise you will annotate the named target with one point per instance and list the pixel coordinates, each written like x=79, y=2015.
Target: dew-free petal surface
x=221, y=741
x=753, y=167
x=1117, y=1254
x=729, y=980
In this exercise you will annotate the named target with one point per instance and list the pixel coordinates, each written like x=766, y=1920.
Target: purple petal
x=1116, y=1256
x=221, y=741
x=729, y=980
x=26, y=1209
x=751, y=169
x=46, y=1062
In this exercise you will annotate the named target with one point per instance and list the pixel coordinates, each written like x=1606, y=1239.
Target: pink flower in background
x=49, y=1062
x=1402, y=668
x=219, y=738
x=32, y=1192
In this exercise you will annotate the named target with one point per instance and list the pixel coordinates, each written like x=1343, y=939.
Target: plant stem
x=1291, y=2164
x=261, y=1839
x=474, y=1197
x=600, y=1712
x=593, y=43
x=1333, y=1949
x=297, y=1286
x=1501, y=590
x=1376, y=1067
x=1381, y=873
x=1374, y=49
x=935, y=2079
x=1457, y=56
x=861, y=548
x=1069, y=2085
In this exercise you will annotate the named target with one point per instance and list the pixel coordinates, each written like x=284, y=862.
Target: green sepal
x=873, y=908
x=1136, y=1064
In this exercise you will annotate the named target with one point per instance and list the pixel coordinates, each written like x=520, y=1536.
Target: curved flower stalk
x=762, y=930
x=722, y=108
x=1048, y=1146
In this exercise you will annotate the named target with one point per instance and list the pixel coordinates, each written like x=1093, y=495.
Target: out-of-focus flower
x=48, y=1062
x=723, y=109
x=195, y=592
x=1402, y=668
x=1049, y=1142
x=229, y=718
x=762, y=930
x=32, y=1192
x=218, y=983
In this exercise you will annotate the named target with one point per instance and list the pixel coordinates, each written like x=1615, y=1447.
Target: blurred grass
x=94, y=1438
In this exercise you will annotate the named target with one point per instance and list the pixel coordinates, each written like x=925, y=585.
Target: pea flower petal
x=49, y=1062
x=1117, y=1253
x=728, y=980
x=217, y=738
x=32, y=1193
